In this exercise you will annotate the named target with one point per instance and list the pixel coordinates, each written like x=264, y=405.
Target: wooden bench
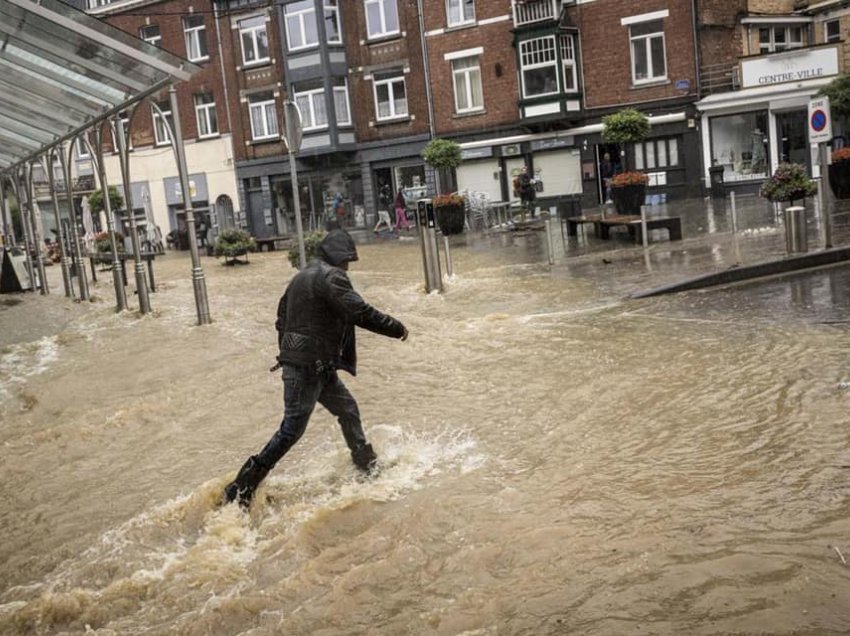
x=573, y=223
x=673, y=225
x=272, y=243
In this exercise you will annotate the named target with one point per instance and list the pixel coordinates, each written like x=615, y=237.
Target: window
x=381, y=18
x=81, y=148
x=150, y=34
x=739, y=143
x=657, y=153
x=261, y=107
x=539, y=67
x=255, y=40
x=314, y=112
x=301, y=28
x=124, y=122
x=205, y=114
x=649, y=62
x=466, y=74
x=162, y=133
x=343, y=112
x=780, y=38
x=94, y=4
x=832, y=31
x=460, y=12
x=568, y=60
x=195, y=35
x=390, y=96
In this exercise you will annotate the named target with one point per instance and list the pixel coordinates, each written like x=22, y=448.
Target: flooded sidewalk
x=561, y=459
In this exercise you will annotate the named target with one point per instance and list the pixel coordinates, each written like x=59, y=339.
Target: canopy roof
x=61, y=71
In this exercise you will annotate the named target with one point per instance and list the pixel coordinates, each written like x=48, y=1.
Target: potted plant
x=789, y=183
x=839, y=173
x=444, y=156
x=233, y=243
x=312, y=241
x=628, y=126
x=116, y=201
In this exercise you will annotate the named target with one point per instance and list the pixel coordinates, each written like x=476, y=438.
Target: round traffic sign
x=818, y=120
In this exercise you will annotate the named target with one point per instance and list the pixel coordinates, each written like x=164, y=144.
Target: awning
x=61, y=71
x=762, y=95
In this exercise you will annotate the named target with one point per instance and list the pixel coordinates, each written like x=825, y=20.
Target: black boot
x=246, y=482
x=365, y=459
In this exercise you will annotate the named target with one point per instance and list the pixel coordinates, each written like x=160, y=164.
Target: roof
x=61, y=71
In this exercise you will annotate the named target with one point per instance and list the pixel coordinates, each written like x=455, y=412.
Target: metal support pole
x=549, y=243
x=734, y=213
x=643, y=232
x=198, y=281
x=96, y=151
x=449, y=267
x=8, y=234
x=296, y=202
x=47, y=165
x=19, y=193
x=82, y=279
x=44, y=288
x=124, y=161
x=825, y=195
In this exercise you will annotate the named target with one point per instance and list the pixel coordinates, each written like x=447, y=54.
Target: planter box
x=628, y=199
x=450, y=219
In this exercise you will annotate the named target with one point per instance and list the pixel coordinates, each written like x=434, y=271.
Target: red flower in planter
x=842, y=154
x=631, y=178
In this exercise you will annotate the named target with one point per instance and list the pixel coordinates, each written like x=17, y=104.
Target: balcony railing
x=719, y=78
x=530, y=11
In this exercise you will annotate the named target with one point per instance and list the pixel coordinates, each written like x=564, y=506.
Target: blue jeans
x=303, y=387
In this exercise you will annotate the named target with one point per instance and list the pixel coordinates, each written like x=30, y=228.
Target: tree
x=116, y=201
x=838, y=92
x=628, y=126
x=443, y=155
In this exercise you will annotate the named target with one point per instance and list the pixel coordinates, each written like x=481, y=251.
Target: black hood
x=338, y=248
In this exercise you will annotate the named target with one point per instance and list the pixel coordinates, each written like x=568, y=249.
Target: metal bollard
x=734, y=213
x=449, y=268
x=796, y=239
x=427, y=223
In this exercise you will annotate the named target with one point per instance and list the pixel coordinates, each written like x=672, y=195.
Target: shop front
x=749, y=132
x=178, y=235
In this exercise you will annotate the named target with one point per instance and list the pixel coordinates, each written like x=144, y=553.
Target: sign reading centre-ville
x=789, y=66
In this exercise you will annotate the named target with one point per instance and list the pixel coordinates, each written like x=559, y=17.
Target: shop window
x=254, y=39
x=460, y=12
x=381, y=18
x=261, y=107
x=466, y=74
x=780, y=38
x=195, y=35
x=649, y=60
x=739, y=143
x=539, y=67
x=832, y=31
x=657, y=153
x=150, y=34
x=390, y=96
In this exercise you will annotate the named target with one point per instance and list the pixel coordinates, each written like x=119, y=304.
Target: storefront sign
x=476, y=153
x=555, y=142
x=789, y=67
x=511, y=150
x=197, y=189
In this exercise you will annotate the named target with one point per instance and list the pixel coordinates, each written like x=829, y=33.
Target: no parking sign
x=820, y=124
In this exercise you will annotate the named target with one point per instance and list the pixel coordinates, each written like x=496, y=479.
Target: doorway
x=792, y=128
x=606, y=167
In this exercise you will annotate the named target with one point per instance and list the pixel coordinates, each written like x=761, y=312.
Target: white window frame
x=770, y=46
x=389, y=82
x=202, y=113
x=649, y=154
x=332, y=6
x=826, y=24
x=268, y=110
x=343, y=91
x=82, y=150
x=467, y=83
x=645, y=41
x=195, y=35
x=308, y=114
x=165, y=138
x=527, y=61
x=458, y=6
x=125, y=122
x=253, y=32
x=155, y=40
x=385, y=32
x=568, y=64
x=300, y=16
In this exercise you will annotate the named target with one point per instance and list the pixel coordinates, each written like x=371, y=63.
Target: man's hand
x=404, y=335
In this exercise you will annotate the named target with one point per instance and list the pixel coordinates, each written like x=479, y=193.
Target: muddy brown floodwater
x=560, y=461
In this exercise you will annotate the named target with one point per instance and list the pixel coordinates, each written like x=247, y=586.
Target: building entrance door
x=793, y=138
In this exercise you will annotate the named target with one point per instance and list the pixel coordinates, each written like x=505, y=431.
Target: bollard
x=734, y=213
x=549, y=244
x=426, y=220
x=643, y=226
x=449, y=268
x=796, y=239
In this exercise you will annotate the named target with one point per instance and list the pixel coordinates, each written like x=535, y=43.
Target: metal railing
x=530, y=11
x=719, y=78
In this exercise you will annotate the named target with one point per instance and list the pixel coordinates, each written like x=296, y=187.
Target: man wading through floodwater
x=315, y=326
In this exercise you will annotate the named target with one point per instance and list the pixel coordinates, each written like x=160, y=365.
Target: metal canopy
x=62, y=71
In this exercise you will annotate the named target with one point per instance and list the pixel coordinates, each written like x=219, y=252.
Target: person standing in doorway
x=316, y=317
x=606, y=172
x=400, y=212
x=527, y=193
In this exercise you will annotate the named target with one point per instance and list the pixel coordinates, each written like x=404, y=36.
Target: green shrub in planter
x=103, y=244
x=789, y=183
x=232, y=243
x=312, y=241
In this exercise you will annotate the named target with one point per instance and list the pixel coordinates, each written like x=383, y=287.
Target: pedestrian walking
x=385, y=202
x=400, y=212
x=315, y=323
x=527, y=192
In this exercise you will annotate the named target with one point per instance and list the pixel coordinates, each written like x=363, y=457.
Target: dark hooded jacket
x=319, y=309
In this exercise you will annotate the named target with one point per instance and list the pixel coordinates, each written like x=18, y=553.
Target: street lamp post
x=292, y=137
